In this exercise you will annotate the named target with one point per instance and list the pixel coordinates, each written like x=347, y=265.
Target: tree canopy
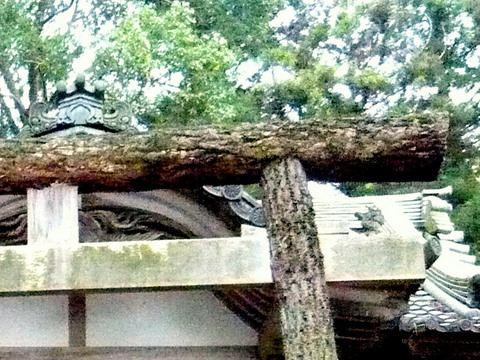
x=229, y=61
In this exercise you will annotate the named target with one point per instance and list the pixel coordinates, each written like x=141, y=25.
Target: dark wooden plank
x=125, y=353
x=77, y=319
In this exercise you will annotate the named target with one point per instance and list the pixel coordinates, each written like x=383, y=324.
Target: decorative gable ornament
x=79, y=110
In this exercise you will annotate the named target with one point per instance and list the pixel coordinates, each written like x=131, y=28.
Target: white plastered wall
x=169, y=318
x=34, y=321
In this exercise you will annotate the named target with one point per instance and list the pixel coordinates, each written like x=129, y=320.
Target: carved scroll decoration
x=99, y=225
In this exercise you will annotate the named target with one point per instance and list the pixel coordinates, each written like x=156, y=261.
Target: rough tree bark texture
x=401, y=149
x=297, y=263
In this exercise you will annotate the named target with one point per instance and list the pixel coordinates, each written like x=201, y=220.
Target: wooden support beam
x=53, y=221
x=297, y=263
x=130, y=352
x=197, y=262
x=77, y=320
x=393, y=149
x=53, y=215
x=134, y=264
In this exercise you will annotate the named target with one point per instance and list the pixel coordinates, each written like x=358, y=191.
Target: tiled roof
x=443, y=303
x=428, y=313
x=413, y=206
x=410, y=205
x=446, y=302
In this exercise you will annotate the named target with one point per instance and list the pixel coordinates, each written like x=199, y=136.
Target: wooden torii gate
x=279, y=154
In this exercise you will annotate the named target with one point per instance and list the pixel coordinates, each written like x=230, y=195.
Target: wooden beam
x=53, y=221
x=394, y=149
x=53, y=215
x=134, y=264
x=130, y=352
x=77, y=320
x=197, y=262
x=297, y=264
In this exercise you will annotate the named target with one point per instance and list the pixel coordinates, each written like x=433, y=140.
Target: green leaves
x=466, y=218
x=282, y=55
x=136, y=53
x=168, y=39
x=31, y=58
x=371, y=81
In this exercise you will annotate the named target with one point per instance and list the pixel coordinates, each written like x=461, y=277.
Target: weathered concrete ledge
x=373, y=258
x=136, y=264
x=198, y=262
x=396, y=252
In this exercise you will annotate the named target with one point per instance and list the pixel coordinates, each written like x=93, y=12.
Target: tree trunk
x=404, y=149
x=34, y=92
x=297, y=263
x=10, y=84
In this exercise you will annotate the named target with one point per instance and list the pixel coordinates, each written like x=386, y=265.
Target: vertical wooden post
x=53, y=220
x=297, y=263
x=77, y=322
x=53, y=215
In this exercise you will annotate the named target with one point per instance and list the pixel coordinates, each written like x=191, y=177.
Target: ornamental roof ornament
x=78, y=110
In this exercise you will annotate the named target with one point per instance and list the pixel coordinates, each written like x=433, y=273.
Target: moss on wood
x=408, y=148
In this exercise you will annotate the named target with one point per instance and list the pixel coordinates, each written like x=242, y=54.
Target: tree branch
x=10, y=83
x=12, y=128
x=55, y=13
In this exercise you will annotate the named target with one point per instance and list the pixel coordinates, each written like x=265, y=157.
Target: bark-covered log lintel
x=395, y=149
